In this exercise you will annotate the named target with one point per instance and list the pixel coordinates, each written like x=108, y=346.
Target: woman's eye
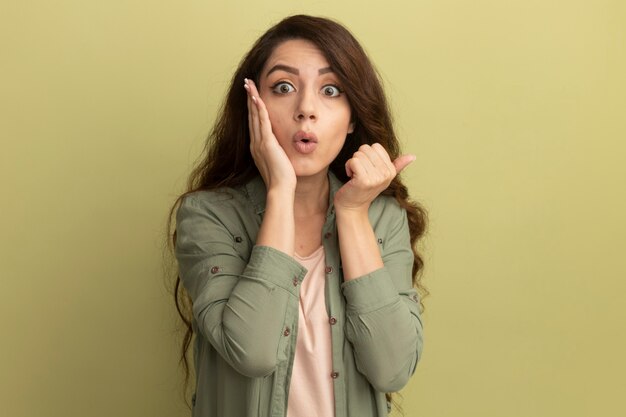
x=283, y=88
x=331, y=91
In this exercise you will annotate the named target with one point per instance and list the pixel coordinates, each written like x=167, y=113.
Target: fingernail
x=246, y=86
x=254, y=99
x=245, y=81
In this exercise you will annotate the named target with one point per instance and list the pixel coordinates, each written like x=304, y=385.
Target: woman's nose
x=306, y=108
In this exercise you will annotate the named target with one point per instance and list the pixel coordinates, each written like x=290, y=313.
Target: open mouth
x=305, y=137
x=305, y=142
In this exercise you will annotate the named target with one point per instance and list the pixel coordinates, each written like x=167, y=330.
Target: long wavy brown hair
x=227, y=161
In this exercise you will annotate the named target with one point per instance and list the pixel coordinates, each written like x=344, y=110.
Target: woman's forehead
x=297, y=54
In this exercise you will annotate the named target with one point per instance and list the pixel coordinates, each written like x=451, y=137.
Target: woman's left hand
x=371, y=171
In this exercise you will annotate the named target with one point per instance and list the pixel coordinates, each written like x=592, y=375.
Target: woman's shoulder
x=385, y=205
x=217, y=199
x=214, y=196
x=386, y=214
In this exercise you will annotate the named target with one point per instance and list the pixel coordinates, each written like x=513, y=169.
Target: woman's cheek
x=278, y=127
x=271, y=113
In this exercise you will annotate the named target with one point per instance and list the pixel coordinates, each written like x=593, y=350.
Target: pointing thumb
x=402, y=161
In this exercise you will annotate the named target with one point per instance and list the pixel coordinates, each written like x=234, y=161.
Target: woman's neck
x=311, y=195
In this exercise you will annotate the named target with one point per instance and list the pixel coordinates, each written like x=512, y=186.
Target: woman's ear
x=351, y=127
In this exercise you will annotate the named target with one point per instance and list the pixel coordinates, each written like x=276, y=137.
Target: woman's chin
x=309, y=171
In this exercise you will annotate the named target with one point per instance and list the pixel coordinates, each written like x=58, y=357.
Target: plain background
x=515, y=110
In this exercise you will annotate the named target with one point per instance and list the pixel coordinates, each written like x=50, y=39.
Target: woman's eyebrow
x=285, y=68
x=295, y=71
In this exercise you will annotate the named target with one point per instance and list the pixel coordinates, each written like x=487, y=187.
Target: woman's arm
x=382, y=311
x=357, y=243
x=382, y=307
x=243, y=307
x=278, y=228
x=370, y=171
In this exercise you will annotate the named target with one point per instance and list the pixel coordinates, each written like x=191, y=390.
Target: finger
x=254, y=92
x=253, y=89
x=357, y=168
x=368, y=167
x=256, y=119
x=250, y=110
x=381, y=169
x=251, y=123
x=265, y=126
x=402, y=161
x=384, y=156
x=264, y=118
x=372, y=155
x=348, y=169
x=253, y=114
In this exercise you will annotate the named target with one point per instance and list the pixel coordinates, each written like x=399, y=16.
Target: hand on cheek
x=269, y=157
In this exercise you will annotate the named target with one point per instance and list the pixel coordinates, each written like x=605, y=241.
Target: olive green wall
x=515, y=109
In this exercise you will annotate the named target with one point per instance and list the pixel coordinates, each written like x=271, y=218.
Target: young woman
x=296, y=239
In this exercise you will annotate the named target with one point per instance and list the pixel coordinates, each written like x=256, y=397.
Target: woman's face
x=309, y=112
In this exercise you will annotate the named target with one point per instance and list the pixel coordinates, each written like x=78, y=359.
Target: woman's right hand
x=269, y=157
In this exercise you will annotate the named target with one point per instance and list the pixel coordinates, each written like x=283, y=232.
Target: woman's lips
x=304, y=142
x=305, y=147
